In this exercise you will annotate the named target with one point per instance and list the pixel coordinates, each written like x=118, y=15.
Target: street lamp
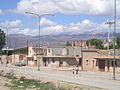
x=109, y=23
x=114, y=38
x=39, y=17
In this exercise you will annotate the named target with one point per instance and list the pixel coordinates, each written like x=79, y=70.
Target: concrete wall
x=65, y=62
x=89, y=63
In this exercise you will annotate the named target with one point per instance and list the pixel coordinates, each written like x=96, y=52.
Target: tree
x=68, y=43
x=95, y=42
x=118, y=42
x=2, y=39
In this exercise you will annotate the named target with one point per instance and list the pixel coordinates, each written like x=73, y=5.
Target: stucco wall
x=89, y=63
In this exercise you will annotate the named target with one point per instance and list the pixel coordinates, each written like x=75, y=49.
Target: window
x=49, y=50
x=53, y=61
x=86, y=62
x=67, y=51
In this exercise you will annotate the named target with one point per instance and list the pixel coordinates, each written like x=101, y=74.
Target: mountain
x=20, y=40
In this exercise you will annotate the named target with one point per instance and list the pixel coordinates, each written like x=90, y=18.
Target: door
x=102, y=65
x=80, y=61
x=60, y=63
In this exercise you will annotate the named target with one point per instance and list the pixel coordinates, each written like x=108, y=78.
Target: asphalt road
x=102, y=80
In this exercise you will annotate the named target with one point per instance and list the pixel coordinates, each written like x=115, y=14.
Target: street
x=96, y=79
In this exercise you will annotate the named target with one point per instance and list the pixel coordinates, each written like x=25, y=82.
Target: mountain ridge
x=20, y=40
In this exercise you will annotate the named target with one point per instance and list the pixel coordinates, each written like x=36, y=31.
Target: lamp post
x=39, y=18
x=114, y=39
x=109, y=23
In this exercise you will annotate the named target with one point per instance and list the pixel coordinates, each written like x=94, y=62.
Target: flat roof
x=106, y=57
x=60, y=56
x=95, y=50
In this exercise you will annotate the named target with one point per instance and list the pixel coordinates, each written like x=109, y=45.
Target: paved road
x=85, y=78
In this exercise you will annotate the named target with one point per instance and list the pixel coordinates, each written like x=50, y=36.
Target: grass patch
x=9, y=76
x=23, y=84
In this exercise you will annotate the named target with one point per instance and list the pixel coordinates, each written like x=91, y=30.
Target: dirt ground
x=3, y=81
x=57, y=83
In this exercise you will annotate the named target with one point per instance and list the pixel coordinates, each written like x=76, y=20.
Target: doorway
x=102, y=65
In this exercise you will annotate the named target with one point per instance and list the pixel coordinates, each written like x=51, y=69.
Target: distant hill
x=20, y=40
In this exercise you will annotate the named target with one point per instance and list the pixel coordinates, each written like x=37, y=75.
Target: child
x=73, y=70
x=77, y=69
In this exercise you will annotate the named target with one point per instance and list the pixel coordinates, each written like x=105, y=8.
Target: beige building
x=13, y=59
x=105, y=60
x=89, y=62
x=54, y=56
x=87, y=59
x=100, y=60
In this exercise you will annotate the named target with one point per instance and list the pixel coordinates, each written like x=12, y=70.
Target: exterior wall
x=31, y=51
x=57, y=51
x=82, y=44
x=64, y=51
x=108, y=60
x=12, y=59
x=77, y=51
x=3, y=58
x=89, y=63
x=64, y=62
x=32, y=63
x=18, y=58
x=49, y=51
x=79, y=43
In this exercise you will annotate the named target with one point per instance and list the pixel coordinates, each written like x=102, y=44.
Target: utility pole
x=27, y=52
x=81, y=57
x=39, y=18
x=114, y=34
x=110, y=24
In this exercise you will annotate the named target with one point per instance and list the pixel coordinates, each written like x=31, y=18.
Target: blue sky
x=84, y=15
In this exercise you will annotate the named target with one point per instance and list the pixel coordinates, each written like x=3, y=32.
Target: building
x=13, y=59
x=82, y=44
x=105, y=60
x=68, y=56
x=54, y=56
x=87, y=59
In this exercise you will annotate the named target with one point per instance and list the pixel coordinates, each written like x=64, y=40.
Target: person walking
x=73, y=70
x=77, y=69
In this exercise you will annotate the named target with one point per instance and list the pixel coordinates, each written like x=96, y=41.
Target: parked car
x=20, y=64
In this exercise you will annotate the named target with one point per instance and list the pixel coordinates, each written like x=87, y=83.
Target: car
x=20, y=64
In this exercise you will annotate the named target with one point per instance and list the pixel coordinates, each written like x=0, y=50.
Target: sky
x=70, y=16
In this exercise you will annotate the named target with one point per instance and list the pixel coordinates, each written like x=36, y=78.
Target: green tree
x=2, y=39
x=68, y=43
x=118, y=42
x=95, y=42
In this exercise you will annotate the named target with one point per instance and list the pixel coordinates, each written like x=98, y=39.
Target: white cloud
x=53, y=30
x=71, y=28
x=46, y=22
x=90, y=7
x=86, y=21
x=10, y=25
x=1, y=12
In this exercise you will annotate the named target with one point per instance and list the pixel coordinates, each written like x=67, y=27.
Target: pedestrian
x=77, y=69
x=73, y=70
